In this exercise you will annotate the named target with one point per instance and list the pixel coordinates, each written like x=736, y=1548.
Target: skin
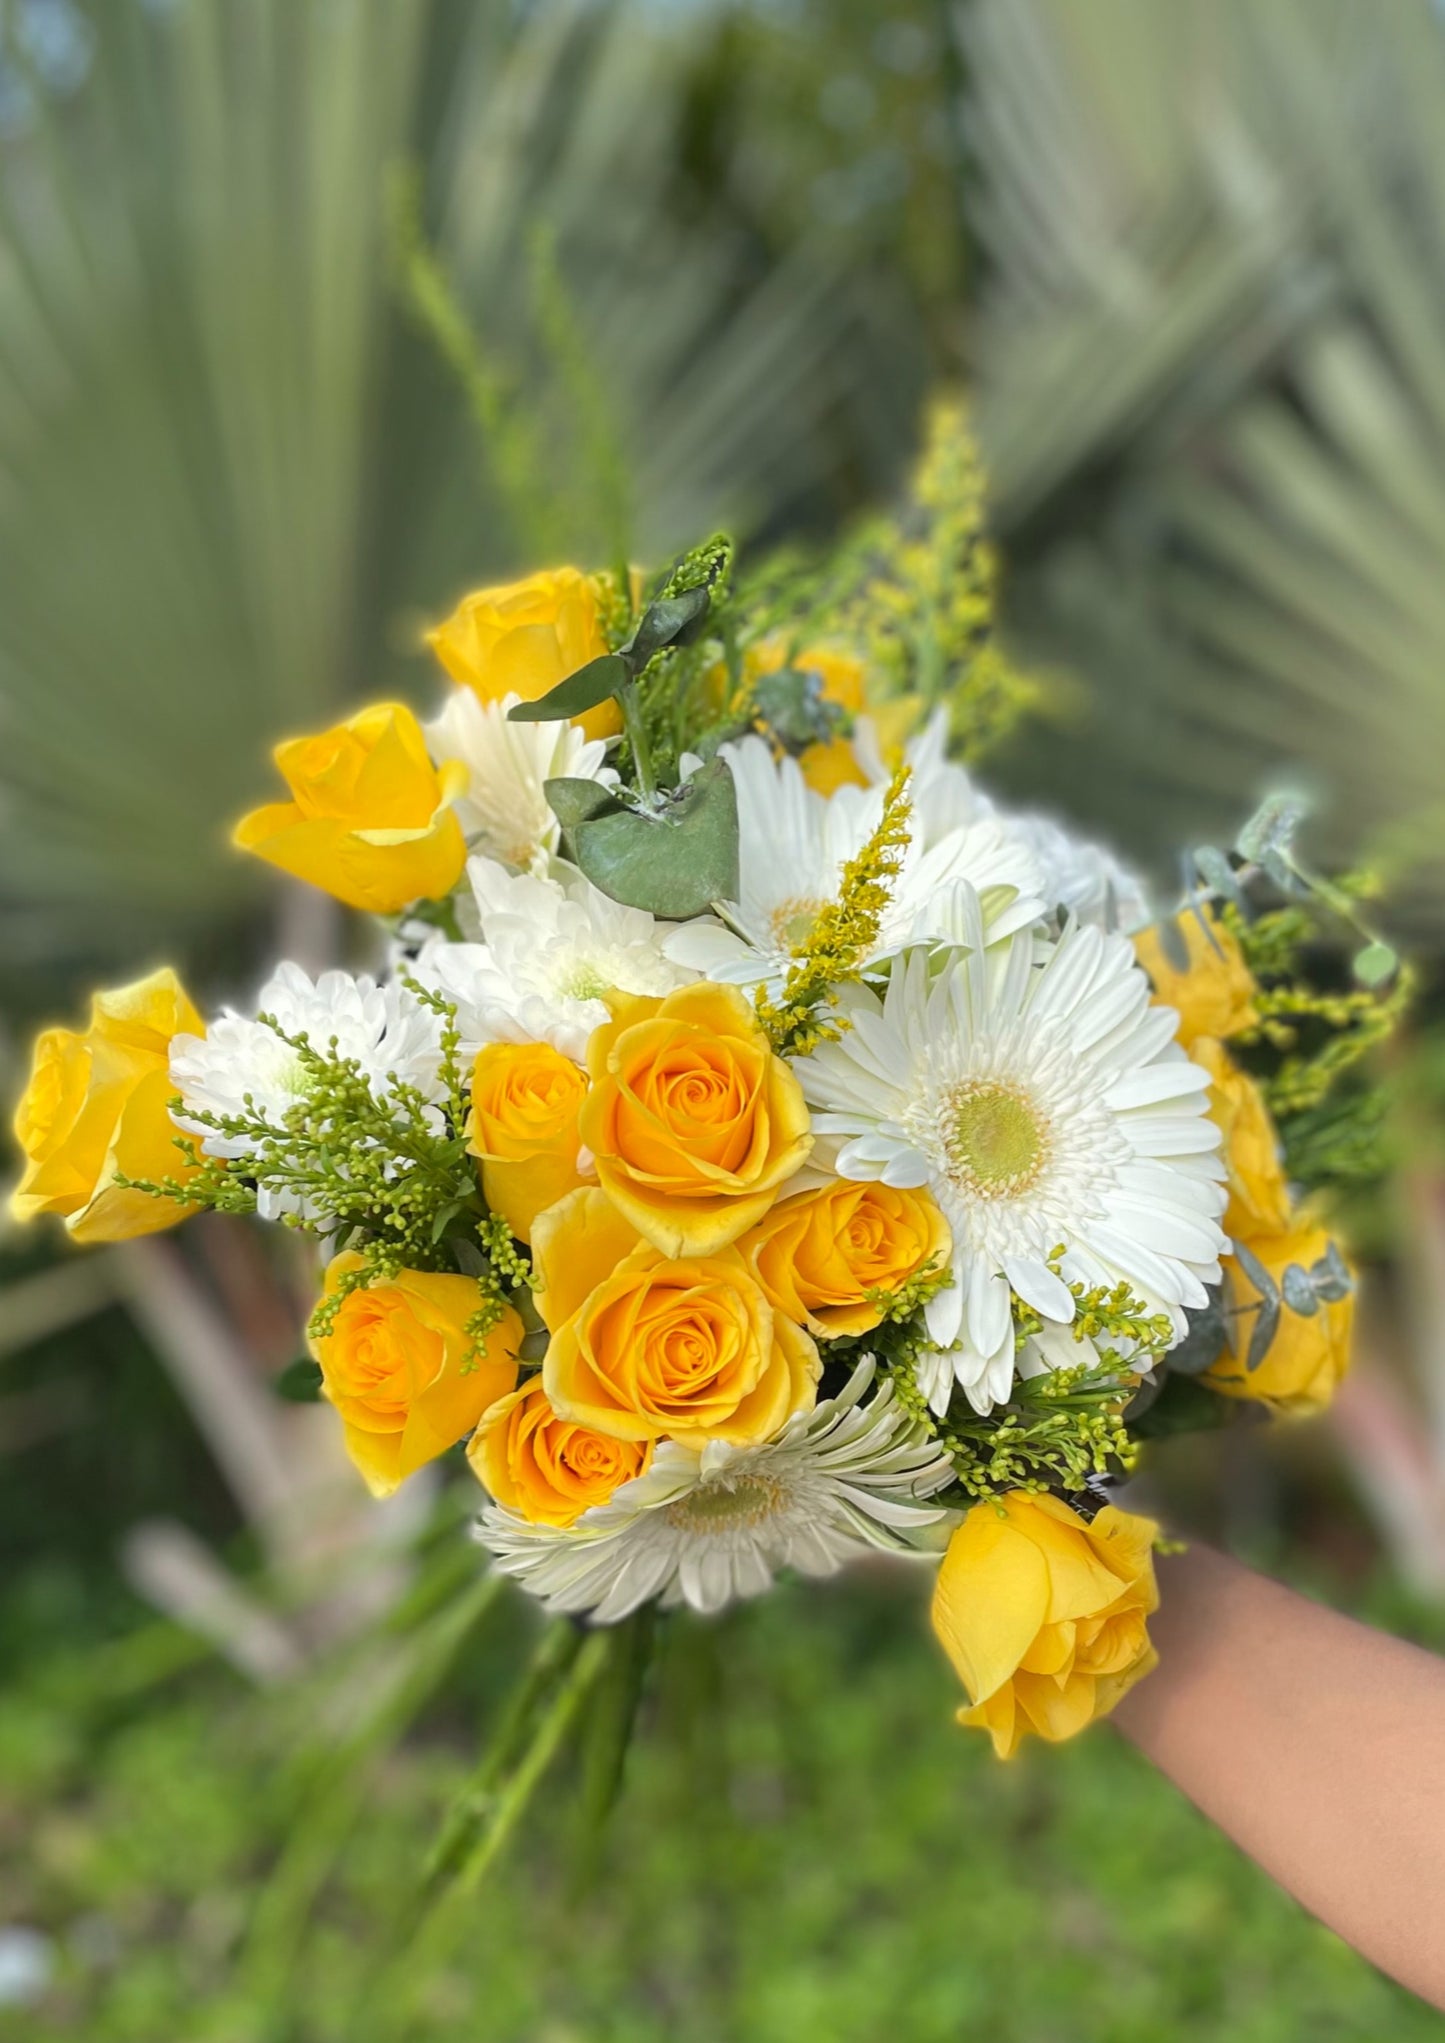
x=1317, y=1744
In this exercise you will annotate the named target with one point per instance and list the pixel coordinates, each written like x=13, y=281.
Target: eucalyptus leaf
x=1172, y=942
x=1376, y=964
x=1266, y=1326
x=790, y=702
x=1216, y=871
x=674, y=863
x=580, y=692
x=1299, y=1293
x=1208, y=1333
x=1330, y=1277
x=577, y=801
x=299, y=1382
x=1270, y=831
x=665, y=622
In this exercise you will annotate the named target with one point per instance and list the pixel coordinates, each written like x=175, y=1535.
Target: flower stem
x=637, y=739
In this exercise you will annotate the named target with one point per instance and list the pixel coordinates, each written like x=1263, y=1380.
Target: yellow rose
x=96, y=1105
x=643, y=1347
x=1043, y=1614
x=692, y=1120
x=818, y=1254
x=370, y=817
x=1258, y=1193
x=1215, y=994
x=1309, y=1354
x=525, y=637
x=545, y=1468
x=402, y=1370
x=523, y=1126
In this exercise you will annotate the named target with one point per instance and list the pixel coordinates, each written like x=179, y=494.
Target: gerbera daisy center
x=996, y=1140
x=792, y=921
x=720, y=1507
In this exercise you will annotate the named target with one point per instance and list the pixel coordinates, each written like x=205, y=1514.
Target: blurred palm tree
x=1211, y=356
x=232, y=478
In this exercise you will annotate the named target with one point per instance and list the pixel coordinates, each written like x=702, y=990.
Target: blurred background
x=315, y=312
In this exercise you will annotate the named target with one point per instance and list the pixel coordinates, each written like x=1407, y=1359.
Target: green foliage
x=761, y=1875
x=914, y=593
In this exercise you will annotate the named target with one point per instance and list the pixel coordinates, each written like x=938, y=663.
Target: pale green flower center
x=584, y=982
x=793, y=921
x=722, y=1507
x=996, y=1143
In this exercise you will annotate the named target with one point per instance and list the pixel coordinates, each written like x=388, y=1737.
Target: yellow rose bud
x=97, y=1105
x=829, y=765
x=525, y=637
x=545, y=1468
x=818, y=1254
x=1214, y=995
x=1258, y=1192
x=404, y=1373
x=644, y=1347
x=692, y=1120
x=1043, y=1614
x=1309, y=1354
x=370, y=817
x=523, y=1126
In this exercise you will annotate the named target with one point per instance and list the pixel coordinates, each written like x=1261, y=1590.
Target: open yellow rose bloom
x=97, y=1105
x=370, y=817
x=1043, y=1614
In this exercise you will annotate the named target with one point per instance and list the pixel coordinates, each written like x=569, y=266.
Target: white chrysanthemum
x=1043, y=1101
x=793, y=844
x=709, y=1528
x=1083, y=879
x=504, y=813
x=548, y=950
x=241, y=1066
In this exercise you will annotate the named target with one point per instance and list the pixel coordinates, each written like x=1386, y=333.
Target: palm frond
x=1213, y=383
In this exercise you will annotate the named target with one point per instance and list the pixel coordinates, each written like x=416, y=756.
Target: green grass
x=807, y=1848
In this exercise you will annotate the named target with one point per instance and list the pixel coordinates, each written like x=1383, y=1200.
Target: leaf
x=1172, y=942
x=1216, y=871
x=1330, y=1277
x=1182, y=1405
x=674, y=864
x=1206, y=1339
x=575, y=801
x=580, y=692
x=1376, y=964
x=1271, y=830
x=468, y=1257
x=790, y=702
x=1266, y=1323
x=1299, y=1293
x=669, y=621
x=299, y=1382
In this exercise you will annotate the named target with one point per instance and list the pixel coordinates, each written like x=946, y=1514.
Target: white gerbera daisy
x=242, y=1066
x=793, y=844
x=548, y=950
x=1043, y=1101
x=504, y=813
x=1084, y=879
x=709, y=1528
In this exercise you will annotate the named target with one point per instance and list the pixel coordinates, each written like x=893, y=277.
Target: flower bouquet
x=757, y=1146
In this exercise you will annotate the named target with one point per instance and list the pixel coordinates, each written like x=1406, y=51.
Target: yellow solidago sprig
x=835, y=950
x=388, y=1179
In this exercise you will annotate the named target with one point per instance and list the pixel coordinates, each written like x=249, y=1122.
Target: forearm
x=1316, y=1744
